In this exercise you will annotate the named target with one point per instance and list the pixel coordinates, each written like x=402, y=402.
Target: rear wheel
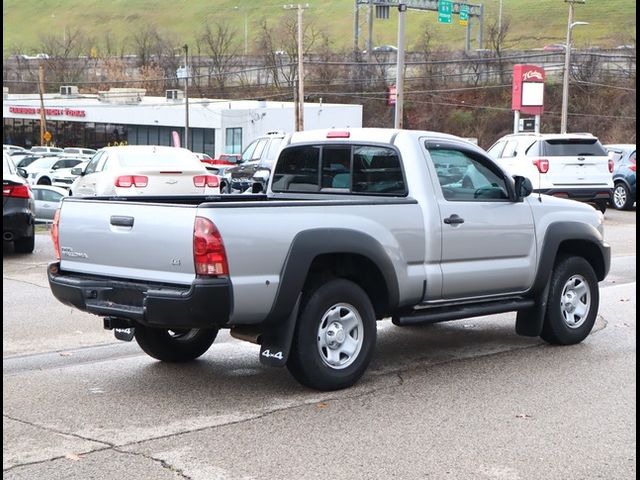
x=573, y=302
x=621, y=198
x=180, y=345
x=44, y=181
x=334, y=338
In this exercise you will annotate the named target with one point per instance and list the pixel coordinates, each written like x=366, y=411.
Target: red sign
x=527, y=94
x=49, y=112
x=392, y=95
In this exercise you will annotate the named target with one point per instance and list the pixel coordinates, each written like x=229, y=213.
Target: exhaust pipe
x=7, y=236
x=247, y=334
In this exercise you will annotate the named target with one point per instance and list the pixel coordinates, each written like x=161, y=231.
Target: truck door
x=488, y=240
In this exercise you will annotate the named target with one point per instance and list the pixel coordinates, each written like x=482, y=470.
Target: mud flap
x=276, y=340
x=529, y=322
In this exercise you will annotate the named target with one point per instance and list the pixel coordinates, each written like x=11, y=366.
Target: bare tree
x=66, y=58
x=496, y=35
x=145, y=44
x=220, y=45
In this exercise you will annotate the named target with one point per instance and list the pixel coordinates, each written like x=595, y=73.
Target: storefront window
x=233, y=142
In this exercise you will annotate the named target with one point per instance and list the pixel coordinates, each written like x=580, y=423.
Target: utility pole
x=43, y=117
x=398, y=123
x=567, y=66
x=300, y=97
x=186, y=96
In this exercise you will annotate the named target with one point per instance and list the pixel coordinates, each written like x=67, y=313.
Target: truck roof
x=378, y=135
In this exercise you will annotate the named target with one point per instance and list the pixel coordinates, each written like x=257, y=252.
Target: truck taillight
x=208, y=180
x=209, y=255
x=54, y=234
x=610, y=166
x=542, y=164
x=16, y=191
x=127, y=181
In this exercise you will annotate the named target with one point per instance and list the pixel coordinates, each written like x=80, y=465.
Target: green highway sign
x=445, y=9
x=464, y=14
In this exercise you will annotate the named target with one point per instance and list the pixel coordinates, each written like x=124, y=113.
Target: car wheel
x=179, y=345
x=621, y=198
x=25, y=244
x=44, y=181
x=573, y=302
x=334, y=338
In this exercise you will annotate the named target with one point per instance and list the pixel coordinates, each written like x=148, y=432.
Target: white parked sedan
x=144, y=170
x=40, y=171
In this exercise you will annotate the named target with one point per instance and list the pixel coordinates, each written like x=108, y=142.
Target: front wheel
x=573, y=302
x=334, y=338
x=180, y=345
x=25, y=244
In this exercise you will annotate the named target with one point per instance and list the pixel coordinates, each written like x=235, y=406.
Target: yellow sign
x=47, y=136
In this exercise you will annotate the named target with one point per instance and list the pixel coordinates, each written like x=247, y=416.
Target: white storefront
x=128, y=116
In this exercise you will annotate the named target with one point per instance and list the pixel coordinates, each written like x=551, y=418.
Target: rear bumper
x=579, y=194
x=206, y=303
x=17, y=220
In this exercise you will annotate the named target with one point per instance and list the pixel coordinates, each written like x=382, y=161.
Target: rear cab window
x=340, y=168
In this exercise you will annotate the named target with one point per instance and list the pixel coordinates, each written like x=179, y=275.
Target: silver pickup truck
x=356, y=226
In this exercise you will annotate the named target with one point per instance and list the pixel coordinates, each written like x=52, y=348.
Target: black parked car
x=259, y=156
x=18, y=208
x=624, y=175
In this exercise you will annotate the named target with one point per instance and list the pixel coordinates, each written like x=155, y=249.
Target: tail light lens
x=127, y=181
x=16, y=191
x=209, y=255
x=610, y=166
x=542, y=164
x=209, y=180
x=632, y=167
x=54, y=234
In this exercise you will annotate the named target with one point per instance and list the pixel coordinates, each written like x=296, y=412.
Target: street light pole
x=399, y=111
x=186, y=96
x=300, y=97
x=567, y=66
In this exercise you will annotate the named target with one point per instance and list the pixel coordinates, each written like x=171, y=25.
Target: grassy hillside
x=533, y=23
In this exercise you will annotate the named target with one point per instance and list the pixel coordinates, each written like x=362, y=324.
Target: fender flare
x=529, y=321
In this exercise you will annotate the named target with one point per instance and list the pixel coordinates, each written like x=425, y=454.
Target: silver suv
x=572, y=165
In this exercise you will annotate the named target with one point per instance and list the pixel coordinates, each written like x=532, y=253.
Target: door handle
x=453, y=219
x=121, y=221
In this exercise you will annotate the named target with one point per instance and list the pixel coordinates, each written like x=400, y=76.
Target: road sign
x=464, y=14
x=445, y=9
x=47, y=136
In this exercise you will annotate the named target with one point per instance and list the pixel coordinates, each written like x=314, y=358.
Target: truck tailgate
x=138, y=241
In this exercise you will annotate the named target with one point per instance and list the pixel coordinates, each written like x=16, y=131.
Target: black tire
x=174, y=345
x=309, y=360
x=25, y=244
x=601, y=205
x=573, y=302
x=621, y=198
x=44, y=181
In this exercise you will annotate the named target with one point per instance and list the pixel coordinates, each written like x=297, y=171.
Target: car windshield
x=169, y=158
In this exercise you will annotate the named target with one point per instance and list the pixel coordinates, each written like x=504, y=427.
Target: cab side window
x=465, y=176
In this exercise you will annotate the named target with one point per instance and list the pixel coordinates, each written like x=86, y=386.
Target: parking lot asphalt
x=464, y=399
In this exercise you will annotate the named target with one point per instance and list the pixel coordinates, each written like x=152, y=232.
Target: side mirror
x=77, y=171
x=523, y=187
x=22, y=172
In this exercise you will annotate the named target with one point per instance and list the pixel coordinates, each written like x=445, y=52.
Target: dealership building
x=130, y=117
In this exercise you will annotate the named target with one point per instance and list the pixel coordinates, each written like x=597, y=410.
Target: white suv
x=572, y=165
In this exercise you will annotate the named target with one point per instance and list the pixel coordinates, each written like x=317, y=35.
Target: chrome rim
x=340, y=336
x=575, y=301
x=619, y=196
x=183, y=335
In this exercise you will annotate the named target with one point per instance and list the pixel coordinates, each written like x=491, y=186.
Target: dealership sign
x=49, y=112
x=528, y=89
